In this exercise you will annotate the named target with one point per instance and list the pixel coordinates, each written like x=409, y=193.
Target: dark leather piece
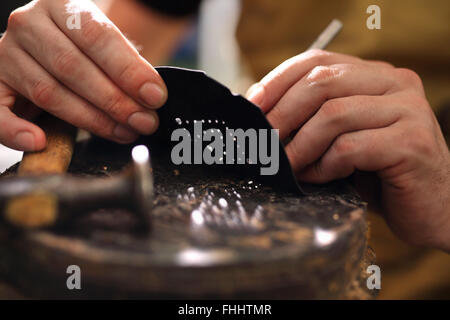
x=195, y=96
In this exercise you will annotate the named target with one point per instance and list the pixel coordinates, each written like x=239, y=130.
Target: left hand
x=363, y=115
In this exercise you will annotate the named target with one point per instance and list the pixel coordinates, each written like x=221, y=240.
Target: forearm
x=423, y=212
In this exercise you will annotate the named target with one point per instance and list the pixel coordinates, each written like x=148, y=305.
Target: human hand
x=369, y=116
x=91, y=77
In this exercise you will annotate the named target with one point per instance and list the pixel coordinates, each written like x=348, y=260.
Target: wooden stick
x=40, y=209
x=56, y=157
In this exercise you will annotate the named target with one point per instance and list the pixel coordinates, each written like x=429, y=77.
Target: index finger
x=91, y=31
x=276, y=83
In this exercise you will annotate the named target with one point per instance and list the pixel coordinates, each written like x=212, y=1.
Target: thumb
x=20, y=134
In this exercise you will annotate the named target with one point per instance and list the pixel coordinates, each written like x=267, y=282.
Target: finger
x=272, y=87
x=19, y=134
x=102, y=41
x=70, y=66
x=323, y=83
x=336, y=117
x=43, y=90
x=365, y=150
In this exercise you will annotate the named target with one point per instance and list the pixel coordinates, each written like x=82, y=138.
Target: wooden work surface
x=312, y=246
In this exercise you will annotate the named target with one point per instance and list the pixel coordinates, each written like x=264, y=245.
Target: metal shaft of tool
x=321, y=42
x=327, y=35
x=71, y=196
x=143, y=185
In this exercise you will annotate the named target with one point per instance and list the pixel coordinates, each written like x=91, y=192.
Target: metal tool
x=327, y=35
x=60, y=197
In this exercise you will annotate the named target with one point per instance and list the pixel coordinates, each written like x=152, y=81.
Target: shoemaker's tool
x=322, y=41
x=63, y=196
x=218, y=231
x=327, y=35
x=38, y=208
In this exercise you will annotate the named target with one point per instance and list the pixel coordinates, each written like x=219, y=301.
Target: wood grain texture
x=56, y=157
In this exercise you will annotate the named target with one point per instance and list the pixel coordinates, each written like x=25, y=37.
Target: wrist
x=443, y=241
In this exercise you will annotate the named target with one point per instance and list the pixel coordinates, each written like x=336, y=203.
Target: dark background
x=5, y=9
x=169, y=7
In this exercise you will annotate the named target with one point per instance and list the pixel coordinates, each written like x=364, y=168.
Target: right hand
x=91, y=77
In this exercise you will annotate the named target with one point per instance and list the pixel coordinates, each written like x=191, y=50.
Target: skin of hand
x=91, y=77
x=365, y=116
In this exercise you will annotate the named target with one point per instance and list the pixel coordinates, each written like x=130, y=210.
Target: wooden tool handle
x=41, y=209
x=56, y=157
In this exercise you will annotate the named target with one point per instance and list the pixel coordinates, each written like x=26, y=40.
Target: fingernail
x=124, y=134
x=25, y=141
x=256, y=94
x=153, y=94
x=143, y=122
